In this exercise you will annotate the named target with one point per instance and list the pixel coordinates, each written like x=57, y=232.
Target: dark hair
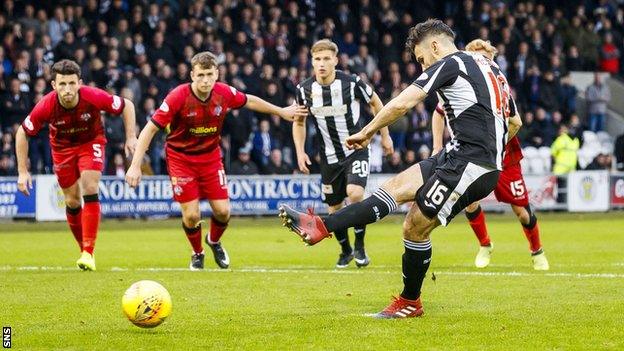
x=422, y=30
x=204, y=59
x=65, y=67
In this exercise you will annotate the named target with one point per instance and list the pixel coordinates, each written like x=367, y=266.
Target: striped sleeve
x=441, y=74
x=362, y=90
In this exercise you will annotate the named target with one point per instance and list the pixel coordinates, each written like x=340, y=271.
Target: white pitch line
x=325, y=271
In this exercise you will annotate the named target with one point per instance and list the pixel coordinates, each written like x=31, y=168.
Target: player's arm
x=386, y=141
x=129, y=118
x=299, y=137
x=24, y=180
x=437, y=130
x=288, y=113
x=133, y=176
x=395, y=109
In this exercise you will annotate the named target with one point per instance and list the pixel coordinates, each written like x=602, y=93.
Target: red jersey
x=76, y=126
x=513, y=153
x=195, y=125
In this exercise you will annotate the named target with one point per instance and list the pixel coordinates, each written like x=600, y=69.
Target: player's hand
x=294, y=112
x=133, y=176
x=387, y=145
x=24, y=183
x=303, y=161
x=130, y=146
x=359, y=140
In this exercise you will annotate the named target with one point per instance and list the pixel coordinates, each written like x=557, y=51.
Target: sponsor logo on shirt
x=200, y=131
x=59, y=122
x=324, y=111
x=192, y=114
x=164, y=107
x=116, y=102
x=85, y=116
x=28, y=123
x=73, y=130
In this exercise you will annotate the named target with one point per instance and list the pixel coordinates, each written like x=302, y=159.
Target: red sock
x=532, y=235
x=477, y=222
x=194, y=236
x=216, y=230
x=90, y=222
x=74, y=219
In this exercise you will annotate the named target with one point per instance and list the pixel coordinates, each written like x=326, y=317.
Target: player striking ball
x=510, y=189
x=333, y=99
x=443, y=185
x=77, y=137
x=195, y=113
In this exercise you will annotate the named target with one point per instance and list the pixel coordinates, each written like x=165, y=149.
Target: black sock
x=360, y=231
x=416, y=260
x=342, y=235
x=372, y=209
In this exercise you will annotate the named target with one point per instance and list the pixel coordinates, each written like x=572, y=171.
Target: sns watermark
x=6, y=337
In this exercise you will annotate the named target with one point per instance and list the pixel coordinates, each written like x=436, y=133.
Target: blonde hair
x=483, y=47
x=204, y=60
x=324, y=44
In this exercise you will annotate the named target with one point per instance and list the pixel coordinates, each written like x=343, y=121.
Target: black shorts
x=335, y=177
x=451, y=184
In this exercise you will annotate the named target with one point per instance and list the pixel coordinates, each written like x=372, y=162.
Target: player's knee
x=72, y=202
x=416, y=228
x=355, y=195
x=191, y=219
x=221, y=214
x=472, y=207
x=90, y=188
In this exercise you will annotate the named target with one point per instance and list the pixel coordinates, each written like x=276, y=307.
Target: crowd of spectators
x=141, y=49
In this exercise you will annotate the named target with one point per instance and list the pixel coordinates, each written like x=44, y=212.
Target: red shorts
x=69, y=162
x=197, y=176
x=510, y=188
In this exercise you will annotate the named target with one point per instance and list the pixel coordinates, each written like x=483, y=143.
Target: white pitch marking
x=322, y=271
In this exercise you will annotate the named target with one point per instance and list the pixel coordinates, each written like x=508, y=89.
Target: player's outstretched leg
x=476, y=217
x=531, y=231
x=313, y=229
x=397, y=190
x=218, y=224
x=416, y=261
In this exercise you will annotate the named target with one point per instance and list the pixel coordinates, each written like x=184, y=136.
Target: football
x=146, y=304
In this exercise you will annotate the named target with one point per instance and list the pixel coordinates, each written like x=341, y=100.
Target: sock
x=90, y=222
x=370, y=210
x=477, y=222
x=416, y=260
x=74, y=219
x=342, y=236
x=194, y=236
x=360, y=231
x=216, y=230
x=531, y=231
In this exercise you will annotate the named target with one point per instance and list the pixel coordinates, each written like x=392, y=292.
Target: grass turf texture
x=302, y=302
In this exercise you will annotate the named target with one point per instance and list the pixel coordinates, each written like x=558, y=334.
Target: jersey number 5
x=97, y=150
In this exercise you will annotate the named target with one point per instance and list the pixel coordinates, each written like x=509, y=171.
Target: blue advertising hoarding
x=14, y=204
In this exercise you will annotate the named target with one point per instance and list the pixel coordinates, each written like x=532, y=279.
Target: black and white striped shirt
x=336, y=111
x=475, y=96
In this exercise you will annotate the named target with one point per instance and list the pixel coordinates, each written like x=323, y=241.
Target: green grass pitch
x=282, y=295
